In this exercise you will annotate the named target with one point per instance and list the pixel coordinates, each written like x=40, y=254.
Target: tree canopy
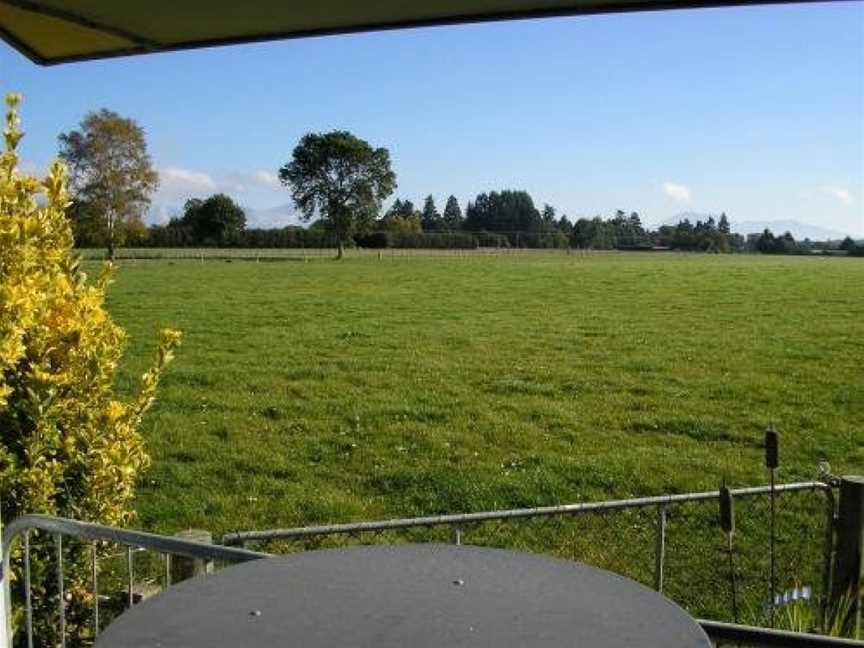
x=452, y=214
x=340, y=178
x=402, y=209
x=217, y=220
x=507, y=212
x=430, y=217
x=111, y=175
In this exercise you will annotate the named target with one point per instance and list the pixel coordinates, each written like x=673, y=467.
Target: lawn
x=356, y=390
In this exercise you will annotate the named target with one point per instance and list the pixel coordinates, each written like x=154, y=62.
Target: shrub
x=375, y=240
x=492, y=239
x=378, y=239
x=69, y=446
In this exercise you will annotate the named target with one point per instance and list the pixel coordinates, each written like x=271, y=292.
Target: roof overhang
x=60, y=31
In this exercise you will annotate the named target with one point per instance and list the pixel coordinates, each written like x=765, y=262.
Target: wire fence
x=318, y=253
x=671, y=543
x=69, y=579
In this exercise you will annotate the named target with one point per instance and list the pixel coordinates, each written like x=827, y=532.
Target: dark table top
x=413, y=596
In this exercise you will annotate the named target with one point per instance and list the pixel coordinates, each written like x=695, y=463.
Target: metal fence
x=670, y=542
x=59, y=538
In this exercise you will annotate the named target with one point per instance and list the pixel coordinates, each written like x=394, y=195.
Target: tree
x=565, y=226
x=786, y=244
x=402, y=209
x=507, y=212
x=770, y=244
x=70, y=447
x=430, y=219
x=452, y=214
x=767, y=242
x=847, y=244
x=402, y=224
x=215, y=221
x=111, y=174
x=341, y=178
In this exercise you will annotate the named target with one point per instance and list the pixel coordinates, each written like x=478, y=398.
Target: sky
x=756, y=111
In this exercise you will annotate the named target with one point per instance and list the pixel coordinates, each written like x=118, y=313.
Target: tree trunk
x=111, y=246
x=340, y=249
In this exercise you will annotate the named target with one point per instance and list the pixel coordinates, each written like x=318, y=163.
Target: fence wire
x=678, y=548
x=67, y=585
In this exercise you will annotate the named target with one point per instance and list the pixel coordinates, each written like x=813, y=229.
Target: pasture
x=338, y=391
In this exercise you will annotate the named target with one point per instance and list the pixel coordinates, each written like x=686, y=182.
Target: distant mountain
x=798, y=229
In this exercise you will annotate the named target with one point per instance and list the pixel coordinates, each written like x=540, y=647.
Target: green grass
x=324, y=392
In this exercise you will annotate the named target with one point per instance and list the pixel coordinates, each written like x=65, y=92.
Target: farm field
x=305, y=254
x=328, y=392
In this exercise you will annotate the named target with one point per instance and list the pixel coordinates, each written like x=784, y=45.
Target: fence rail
x=659, y=502
x=662, y=510
x=742, y=635
x=672, y=543
x=58, y=528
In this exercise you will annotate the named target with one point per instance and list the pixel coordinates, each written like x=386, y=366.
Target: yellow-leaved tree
x=69, y=446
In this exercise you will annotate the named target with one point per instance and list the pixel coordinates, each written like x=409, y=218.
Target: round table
x=407, y=595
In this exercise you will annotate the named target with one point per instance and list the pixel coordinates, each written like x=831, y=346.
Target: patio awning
x=59, y=31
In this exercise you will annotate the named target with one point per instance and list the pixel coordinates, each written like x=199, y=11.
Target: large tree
x=402, y=209
x=452, y=214
x=847, y=244
x=340, y=178
x=430, y=219
x=111, y=175
x=218, y=220
x=507, y=212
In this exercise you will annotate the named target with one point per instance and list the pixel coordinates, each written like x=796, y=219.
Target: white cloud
x=266, y=178
x=178, y=184
x=838, y=193
x=678, y=192
x=174, y=176
x=160, y=214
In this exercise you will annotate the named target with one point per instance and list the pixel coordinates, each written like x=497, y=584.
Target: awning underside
x=56, y=31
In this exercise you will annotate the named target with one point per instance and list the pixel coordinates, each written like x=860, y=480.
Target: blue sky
x=756, y=111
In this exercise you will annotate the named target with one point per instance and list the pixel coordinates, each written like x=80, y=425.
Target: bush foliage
x=69, y=446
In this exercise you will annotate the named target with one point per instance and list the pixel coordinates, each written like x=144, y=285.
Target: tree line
x=338, y=183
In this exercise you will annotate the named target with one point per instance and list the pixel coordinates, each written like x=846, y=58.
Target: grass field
x=324, y=391
x=308, y=254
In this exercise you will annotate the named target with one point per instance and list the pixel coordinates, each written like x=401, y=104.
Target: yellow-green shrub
x=69, y=447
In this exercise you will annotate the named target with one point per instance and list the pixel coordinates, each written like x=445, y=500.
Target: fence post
x=828, y=551
x=183, y=568
x=848, y=565
x=457, y=534
x=660, y=548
